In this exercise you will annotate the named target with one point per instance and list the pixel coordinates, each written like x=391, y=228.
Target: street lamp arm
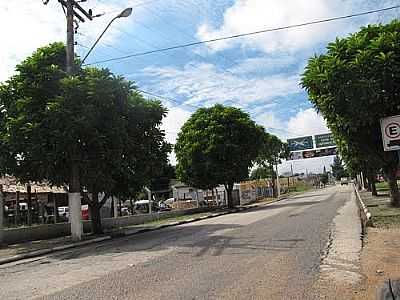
x=98, y=39
x=125, y=13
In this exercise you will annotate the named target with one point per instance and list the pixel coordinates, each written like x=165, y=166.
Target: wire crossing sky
x=196, y=53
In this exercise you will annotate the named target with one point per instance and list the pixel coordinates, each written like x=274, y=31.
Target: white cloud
x=271, y=123
x=254, y=15
x=307, y=122
x=204, y=84
x=172, y=124
x=264, y=64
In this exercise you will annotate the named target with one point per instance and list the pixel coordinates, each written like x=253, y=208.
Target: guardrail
x=364, y=213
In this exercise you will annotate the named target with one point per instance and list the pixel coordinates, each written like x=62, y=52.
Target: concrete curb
x=51, y=250
x=122, y=233
x=127, y=232
x=364, y=213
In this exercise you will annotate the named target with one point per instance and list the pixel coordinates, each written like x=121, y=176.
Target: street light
x=124, y=14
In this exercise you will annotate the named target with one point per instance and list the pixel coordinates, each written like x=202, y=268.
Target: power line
x=167, y=99
x=246, y=34
x=197, y=107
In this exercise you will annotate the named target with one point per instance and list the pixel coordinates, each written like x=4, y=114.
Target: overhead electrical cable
x=246, y=34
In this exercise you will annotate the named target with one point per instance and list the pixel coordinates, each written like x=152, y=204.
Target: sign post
x=390, y=128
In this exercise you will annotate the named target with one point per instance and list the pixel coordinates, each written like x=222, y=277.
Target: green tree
x=338, y=170
x=93, y=120
x=356, y=163
x=262, y=173
x=271, y=153
x=324, y=178
x=217, y=145
x=354, y=85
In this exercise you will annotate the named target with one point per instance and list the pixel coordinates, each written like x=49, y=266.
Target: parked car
x=163, y=206
x=63, y=212
x=344, y=180
x=142, y=206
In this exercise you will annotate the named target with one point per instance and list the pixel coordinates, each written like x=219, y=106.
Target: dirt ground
x=380, y=260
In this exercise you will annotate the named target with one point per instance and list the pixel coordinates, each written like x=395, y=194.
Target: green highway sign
x=324, y=140
x=298, y=144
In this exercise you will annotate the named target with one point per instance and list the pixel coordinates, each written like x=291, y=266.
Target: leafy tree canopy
x=354, y=85
x=338, y=170
x=262, y=173
x=217, y=145
x=94, y=119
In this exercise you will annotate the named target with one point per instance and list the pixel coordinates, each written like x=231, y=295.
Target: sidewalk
x=380, y=259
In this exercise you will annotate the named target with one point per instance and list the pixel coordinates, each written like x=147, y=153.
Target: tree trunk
x=132, y=205
x=229, y=189
x=29, y=203
x=394, y=189
x=274, y=191
x=371, y=184
x=373, y=189
x=95, y=217
x=365, y=181
x=112, y=208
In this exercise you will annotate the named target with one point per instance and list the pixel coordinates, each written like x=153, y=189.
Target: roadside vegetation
x=354, y=85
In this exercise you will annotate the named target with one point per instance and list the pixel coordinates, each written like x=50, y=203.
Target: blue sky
x=259, y=74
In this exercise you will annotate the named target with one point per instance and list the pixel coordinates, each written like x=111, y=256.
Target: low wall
x=48, y=231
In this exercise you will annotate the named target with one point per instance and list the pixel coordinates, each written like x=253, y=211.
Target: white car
x=63, y=211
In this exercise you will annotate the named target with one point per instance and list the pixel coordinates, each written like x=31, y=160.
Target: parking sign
x=390, y=128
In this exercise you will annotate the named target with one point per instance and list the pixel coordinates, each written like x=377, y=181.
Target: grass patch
x=300, y=187
x=386, y=221
x=382, y=186
x=382, y=213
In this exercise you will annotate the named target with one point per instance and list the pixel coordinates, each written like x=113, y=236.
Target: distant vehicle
x=164, y=206
x=125, y=211
x=142, y=206
x=63, y=212
x=169, y=201
x=344, y=180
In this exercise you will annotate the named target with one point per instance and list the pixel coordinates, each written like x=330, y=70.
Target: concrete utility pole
x=278, y=184
x=74, y=192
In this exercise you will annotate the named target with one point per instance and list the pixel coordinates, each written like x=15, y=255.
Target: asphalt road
x=271, y=252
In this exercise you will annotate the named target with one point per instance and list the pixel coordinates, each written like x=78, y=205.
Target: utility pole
x=278, y=184
x=70, y=37
x=74, y=190
x=74, y=14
